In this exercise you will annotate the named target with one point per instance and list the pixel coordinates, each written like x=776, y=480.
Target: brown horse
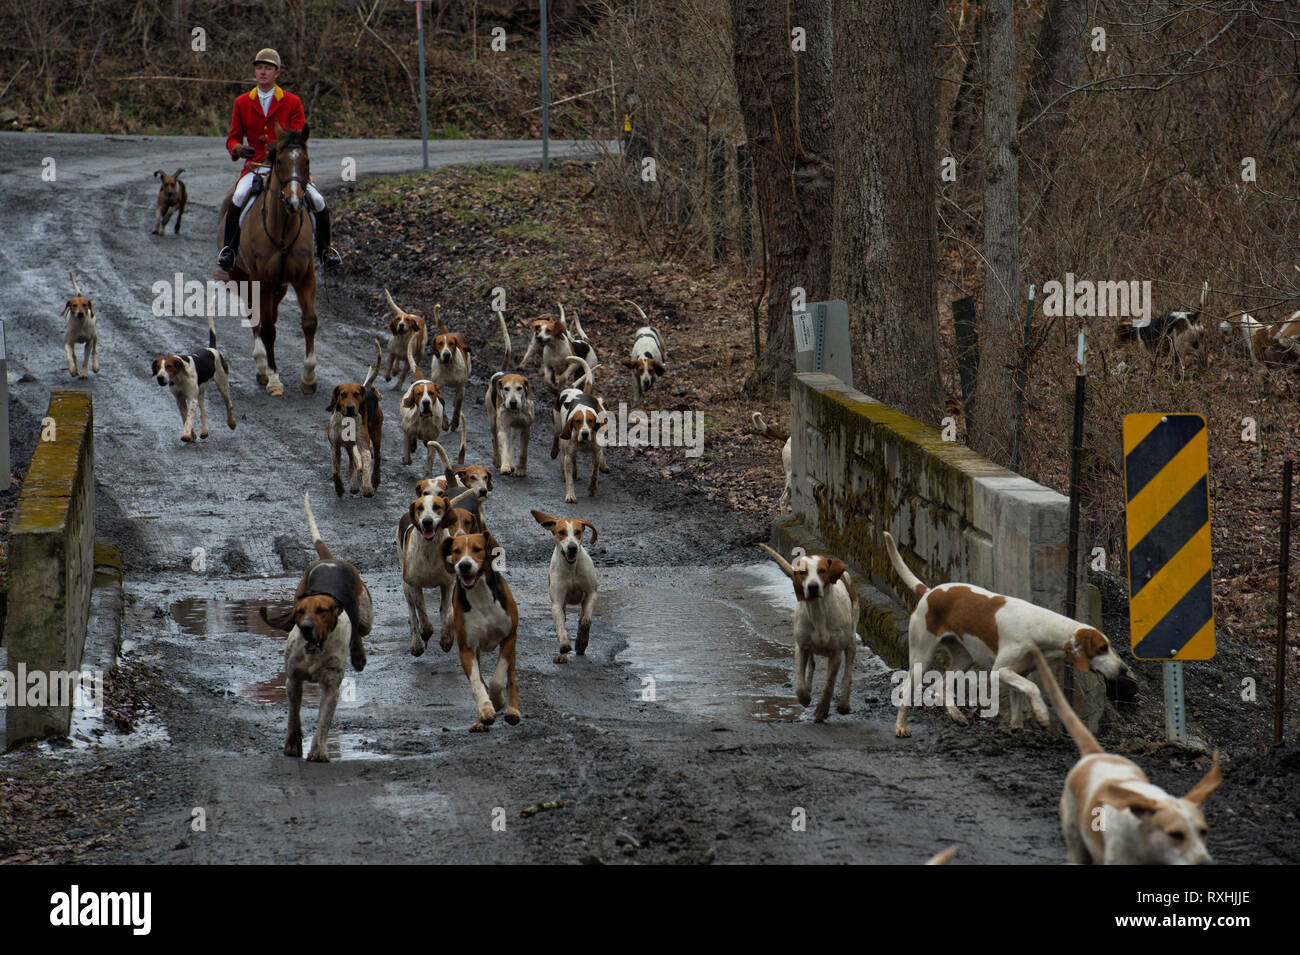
x=275, y=251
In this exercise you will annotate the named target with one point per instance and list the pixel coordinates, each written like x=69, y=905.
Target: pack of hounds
x=1109, y=811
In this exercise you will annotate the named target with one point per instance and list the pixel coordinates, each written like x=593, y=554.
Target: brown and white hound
x=1277, y=343
x=422, y=416
x=332, y=612
x=356, y=424
x=188, y=377
x=428, y=520
x=484, y=618
x=571, y=578
x=557, y=343
x=996, y=632
x=761, y=427
x=80, y=330
x=406, y=336
x=577, y=417
x=648, y=356
x=825, y=625
x=1112, y=814
x=509, y=402
x=451, y=363
x=172, y=195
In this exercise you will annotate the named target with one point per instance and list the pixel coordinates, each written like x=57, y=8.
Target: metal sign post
x=1166, y=486
x=424, y=106
x=546, y=98
x=821, y=340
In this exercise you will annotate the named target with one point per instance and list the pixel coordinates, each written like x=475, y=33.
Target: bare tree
x=784, y=83
x=992, y=430
x=884, y=261
x=1044, y=113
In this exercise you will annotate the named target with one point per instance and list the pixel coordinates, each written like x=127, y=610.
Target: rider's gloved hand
x=242, y=152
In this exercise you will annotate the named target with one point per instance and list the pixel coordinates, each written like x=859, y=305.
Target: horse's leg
x=271, y=301
x=264, y=299
x=306, y=292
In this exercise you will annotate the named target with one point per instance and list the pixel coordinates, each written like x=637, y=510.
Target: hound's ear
x=284, y=623
x=392, y=323
x=177, y=173
x=157, y=173
x=489, y=477
x=490, y=543
x=528, y=389
x=837, y=570
x=544, y=519
x=1075, y=655
x=631, y=363
x=659, y=368
x=334, y=399
x=444, y=549
x=563, y=326
x=1209, y=782
x=67, y=307
x=593, y=530
x=567, y=431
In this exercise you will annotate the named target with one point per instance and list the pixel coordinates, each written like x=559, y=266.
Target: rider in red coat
x=253, y=127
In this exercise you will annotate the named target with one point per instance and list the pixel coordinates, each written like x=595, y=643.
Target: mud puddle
x=203, y=617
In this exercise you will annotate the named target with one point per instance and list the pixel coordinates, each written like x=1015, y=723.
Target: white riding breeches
x=246, y=183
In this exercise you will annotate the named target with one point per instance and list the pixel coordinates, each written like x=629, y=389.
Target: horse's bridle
x=285, y=248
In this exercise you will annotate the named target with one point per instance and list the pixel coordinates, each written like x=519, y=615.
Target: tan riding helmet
x=267, y=55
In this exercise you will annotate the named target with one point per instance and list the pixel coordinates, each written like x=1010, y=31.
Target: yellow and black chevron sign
x=1166, y=485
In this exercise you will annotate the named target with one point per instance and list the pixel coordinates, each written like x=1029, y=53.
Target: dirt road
x=677, y=737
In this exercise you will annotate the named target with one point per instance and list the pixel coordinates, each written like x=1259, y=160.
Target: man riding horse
x=257, y=116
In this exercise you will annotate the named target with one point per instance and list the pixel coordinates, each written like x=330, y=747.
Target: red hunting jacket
x=249, y=123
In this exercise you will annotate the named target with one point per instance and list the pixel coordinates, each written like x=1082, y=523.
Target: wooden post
x=1283, y=582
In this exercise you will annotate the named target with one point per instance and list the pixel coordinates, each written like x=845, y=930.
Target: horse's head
x=290, y=169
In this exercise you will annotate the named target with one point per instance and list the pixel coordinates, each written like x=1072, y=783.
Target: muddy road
x=677, y=737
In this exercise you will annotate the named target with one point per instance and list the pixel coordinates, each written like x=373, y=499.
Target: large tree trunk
x=1053, y=72
x=885, y=258
x=964, y=142
x=786, y=100
x=994, y=426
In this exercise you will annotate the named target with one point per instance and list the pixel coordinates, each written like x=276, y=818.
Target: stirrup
x=330, y=258
x=226, y=258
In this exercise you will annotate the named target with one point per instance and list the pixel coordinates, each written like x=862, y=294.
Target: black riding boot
x=329, y=256
x=226, y=258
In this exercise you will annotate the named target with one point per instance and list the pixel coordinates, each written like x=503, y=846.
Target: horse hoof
x=308, y=387
x=262, y=378
x=275, y=389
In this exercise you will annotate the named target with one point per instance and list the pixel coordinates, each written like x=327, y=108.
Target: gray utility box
x=821, y=340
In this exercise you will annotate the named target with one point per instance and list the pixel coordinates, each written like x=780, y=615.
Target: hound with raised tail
x=997, y=633
x=557, y=344
x=474, y=476
x=451, y=363
x=825, y=625
x=422, y=415
x=431, y=484
x=80, y=330
x=761, y=427
x=484, y=618
x=188, y=378
x=571, y=578
x=406, y=337
x=172, y=196
x=648, y=356
x=356, y=424
x=577, y=417
x=1112, y=814
x=509, y=401
x=1277, y=343
x=331, y=614
x=420, y=532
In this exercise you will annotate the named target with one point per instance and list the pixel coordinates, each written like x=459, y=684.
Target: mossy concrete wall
x=862, y=467
x=52, y=560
